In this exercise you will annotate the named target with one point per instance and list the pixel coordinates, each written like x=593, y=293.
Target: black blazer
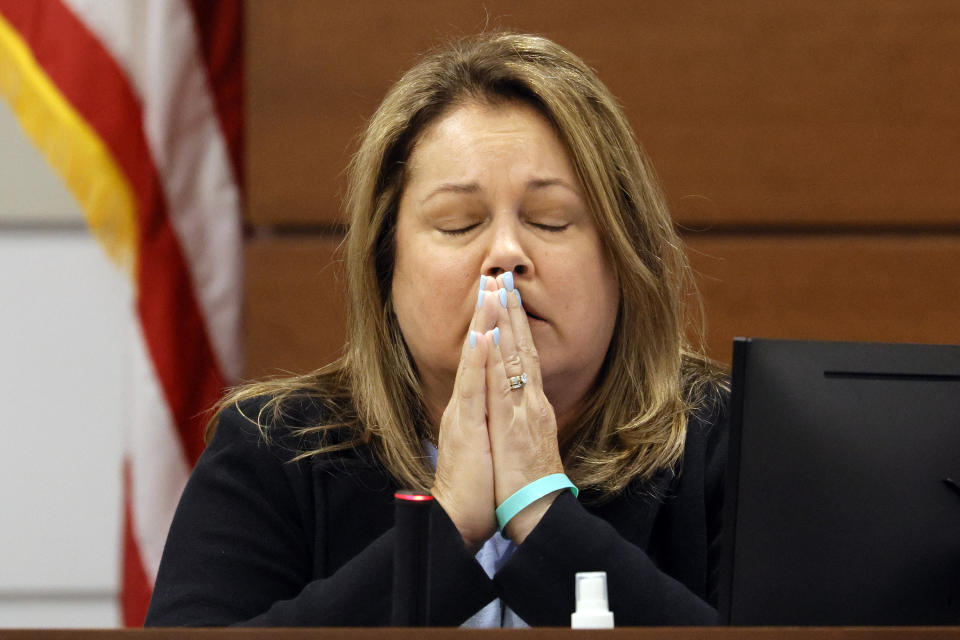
x=259, y=540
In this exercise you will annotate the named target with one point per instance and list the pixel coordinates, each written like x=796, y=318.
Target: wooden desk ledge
x=541, y=633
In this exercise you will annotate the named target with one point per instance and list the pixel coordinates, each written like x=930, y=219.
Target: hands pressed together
x=496, y=439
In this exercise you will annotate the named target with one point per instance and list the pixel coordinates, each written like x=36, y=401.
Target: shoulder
x=284, y=427
x=709, y=413
x=707, y=442
x=707, y=394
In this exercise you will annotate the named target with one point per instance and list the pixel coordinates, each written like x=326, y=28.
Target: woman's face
x=490, y=188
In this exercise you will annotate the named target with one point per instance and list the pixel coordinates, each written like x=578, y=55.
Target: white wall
x=63, y=317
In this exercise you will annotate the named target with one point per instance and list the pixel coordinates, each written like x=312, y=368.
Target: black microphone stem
x=411, y=589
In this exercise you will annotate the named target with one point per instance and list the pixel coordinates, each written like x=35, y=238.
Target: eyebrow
x=550, y=182
x=473, y=187
x=451, y=187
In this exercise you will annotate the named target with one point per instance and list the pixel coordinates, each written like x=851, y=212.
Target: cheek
x=431, y=279
x=597, y=311
x=584, y=282
x=430, y=295
x=592, y=297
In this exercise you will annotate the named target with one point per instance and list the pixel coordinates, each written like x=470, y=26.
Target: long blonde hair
x=633, y=422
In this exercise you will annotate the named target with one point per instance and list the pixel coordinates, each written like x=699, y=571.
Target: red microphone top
x=412, y=496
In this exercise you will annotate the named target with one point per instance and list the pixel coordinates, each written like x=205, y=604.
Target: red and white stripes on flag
x=137, y=105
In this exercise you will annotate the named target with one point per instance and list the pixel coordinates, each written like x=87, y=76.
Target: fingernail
x=503, y=297
x=496, y=336
x=480, y=298
x=517, y=291
x=483, y=281
x=473, y=339
x=508, y=280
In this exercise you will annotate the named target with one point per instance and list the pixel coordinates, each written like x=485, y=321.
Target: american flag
x=138, y=106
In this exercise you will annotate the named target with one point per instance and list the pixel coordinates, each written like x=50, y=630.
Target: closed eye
x=552, y=228
x=460, y=231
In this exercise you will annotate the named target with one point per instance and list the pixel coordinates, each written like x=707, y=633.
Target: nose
x=506, y=251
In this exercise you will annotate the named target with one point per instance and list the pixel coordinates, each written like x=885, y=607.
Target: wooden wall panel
x=881, y=287
x=294, y=315
x=839, y=287
x=755, y=113
x=813, y=146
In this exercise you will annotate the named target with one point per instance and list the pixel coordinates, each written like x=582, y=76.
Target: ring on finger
x=517, y=382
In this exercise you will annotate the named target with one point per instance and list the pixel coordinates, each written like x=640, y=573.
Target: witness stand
x=542, y=633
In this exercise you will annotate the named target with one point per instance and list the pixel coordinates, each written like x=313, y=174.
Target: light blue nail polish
x=508, y=280
x=503, y=297
x=480, y=299
x=473, y=339
x=483, y=281
x=517, y=291
x=496, y=336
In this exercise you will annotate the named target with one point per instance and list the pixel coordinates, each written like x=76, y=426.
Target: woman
x=517, y=305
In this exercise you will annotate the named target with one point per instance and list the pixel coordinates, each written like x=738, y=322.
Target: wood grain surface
x=455, y=633
x=809, y=150
x=861, y=287
x=755, y=113
x=294, y=316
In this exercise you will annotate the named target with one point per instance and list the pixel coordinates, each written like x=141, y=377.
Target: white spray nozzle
x=593, y=611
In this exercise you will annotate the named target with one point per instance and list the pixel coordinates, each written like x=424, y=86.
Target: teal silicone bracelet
x=530, y=494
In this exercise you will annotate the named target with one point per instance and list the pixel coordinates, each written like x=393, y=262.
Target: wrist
x=474, y=525
x=528, y=504
x=529, y=517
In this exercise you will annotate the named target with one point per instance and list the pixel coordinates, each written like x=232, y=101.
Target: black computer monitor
x=842, y=500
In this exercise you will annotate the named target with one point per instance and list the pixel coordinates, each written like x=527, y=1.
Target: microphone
x=411, y=604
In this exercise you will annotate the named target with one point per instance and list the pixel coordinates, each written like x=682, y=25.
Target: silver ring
x=517, y=382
